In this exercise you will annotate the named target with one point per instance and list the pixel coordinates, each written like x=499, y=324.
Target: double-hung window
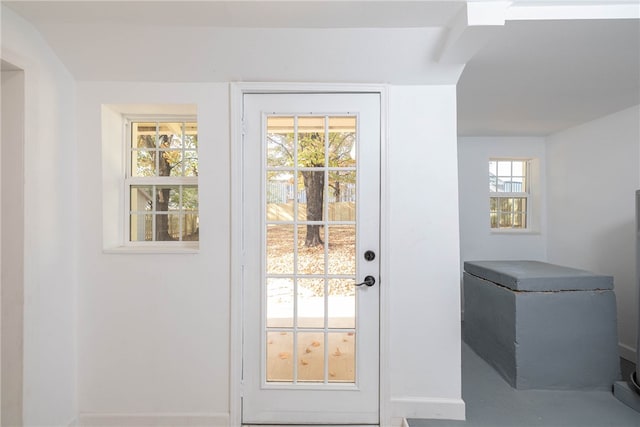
x=161, y=183
x=509, y=193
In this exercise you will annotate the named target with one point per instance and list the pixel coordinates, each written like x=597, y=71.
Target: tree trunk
x=162, y=196
x=314, y=186
x=162, y=221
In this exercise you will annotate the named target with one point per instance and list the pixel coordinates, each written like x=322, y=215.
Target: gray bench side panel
x=566, y=340
x=489, y=324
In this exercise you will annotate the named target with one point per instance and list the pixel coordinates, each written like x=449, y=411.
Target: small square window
x=509, y=193
x=161, y=181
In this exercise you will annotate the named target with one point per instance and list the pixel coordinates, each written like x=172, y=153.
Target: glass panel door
x=310, y=249
x=311, y=191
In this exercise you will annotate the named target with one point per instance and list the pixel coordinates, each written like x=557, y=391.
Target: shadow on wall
x=613, y=253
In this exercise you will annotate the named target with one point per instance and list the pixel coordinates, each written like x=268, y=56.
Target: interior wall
x=12, y=247
x=593, y=173
x=49, y=189
x=424, y=254
x=477, y=240
x=153, y=327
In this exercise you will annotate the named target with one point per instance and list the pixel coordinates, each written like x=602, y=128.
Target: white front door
x=311, y=235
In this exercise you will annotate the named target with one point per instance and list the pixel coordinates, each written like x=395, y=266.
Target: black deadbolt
x=369, y=255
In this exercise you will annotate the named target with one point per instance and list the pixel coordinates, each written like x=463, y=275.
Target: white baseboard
x=154, y=420
x=627, y=352
x=421, y=407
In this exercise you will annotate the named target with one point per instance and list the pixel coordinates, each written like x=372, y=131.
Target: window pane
x=311, y=356
x=176, y=226
x=280, y=195
x=311, y=139
x=518, y=168
x=311, y=248
x=280, y=249
x=143, y=163
x=279, y=303
x=310, y=303
x=143, y=135
x=141, y=228
x=170, y=163
x=341, y=356
x=518, y=204
x=175, y=140
x=504, y=168
x=191, y=227
x=191, y=135
x=494, y=220
x=280, y=134
x=311, y=195
x=342, y=196
x=493, y=204
x=342, y=249
x=165, y=227
x=523, y=205
x=190, y=160
x=170, y=134
x=342, y=141
x=505, y=220
x=341, y=303
x=519, y=221
x=141, y=198
x=279, y=356
x=190, y=197
x=167, y=198
x=513, y=185
x=493, y=167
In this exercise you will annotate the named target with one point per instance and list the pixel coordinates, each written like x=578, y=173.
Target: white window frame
x=525, y=194
x=129, y=180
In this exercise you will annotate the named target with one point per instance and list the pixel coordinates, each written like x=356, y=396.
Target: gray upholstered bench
x=542, y=326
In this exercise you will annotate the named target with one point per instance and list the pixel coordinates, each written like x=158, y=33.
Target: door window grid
x=509, y=193
x=161, y=184
x=324, y=336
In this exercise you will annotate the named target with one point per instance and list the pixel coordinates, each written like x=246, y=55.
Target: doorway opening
x=311, y=182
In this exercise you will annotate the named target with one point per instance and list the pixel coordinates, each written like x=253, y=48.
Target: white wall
x=593, y=173
x=12, y=280
x=477, y=240
x=424, y=254
x=154, y=328
x=49, y=376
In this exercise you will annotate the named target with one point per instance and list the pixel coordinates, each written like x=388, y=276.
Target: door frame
x=236, y=95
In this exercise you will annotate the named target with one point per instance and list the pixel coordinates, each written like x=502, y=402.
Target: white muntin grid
x=296, y=223
x=157, y=182
x=511, y=188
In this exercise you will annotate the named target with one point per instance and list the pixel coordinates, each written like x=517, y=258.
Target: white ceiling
x=533, y=78
x=539, y=77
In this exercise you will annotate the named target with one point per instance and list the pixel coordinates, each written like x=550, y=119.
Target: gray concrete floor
x=491, y=402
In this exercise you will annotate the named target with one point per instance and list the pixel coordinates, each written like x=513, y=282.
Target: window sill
x=507, y=232
x=152, y=250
